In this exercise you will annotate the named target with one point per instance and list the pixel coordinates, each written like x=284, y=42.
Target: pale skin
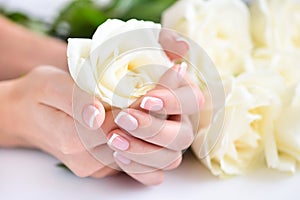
x=38, y=111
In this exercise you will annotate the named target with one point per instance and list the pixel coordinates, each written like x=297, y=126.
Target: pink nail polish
x=90, y=115
x=121, y=158
x=183, y=40
x=118, y=142
x=126, y=121
x=152, y=103
x=182, y=70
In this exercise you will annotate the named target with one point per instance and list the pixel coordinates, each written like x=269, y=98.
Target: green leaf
x=20, y=18
x=80, y=19
x=143, y=9
x=63, y=166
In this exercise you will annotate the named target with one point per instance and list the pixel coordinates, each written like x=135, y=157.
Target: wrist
x=10, y=136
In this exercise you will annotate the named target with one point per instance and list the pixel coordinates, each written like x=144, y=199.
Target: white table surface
x=29, y=174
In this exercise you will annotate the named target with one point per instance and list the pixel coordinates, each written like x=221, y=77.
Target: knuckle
x=44, y=86
x=81, y=172
x=80, y=165
x=76, y=168
x=106, y=171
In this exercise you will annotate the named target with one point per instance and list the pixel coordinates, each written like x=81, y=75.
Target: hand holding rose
x=145, y=145
x=65, y=121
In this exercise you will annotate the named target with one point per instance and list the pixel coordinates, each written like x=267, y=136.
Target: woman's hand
x=154, y=131
x=37, y=111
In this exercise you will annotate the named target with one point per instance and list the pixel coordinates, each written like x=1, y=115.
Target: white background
x=28, y=174
x=39, y=9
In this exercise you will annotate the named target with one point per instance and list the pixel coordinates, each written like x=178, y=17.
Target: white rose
x=121, y=69
x=286, y=149
x=286, y=64
x=275, y=24
x=241, y=142
x=221, y=27
x=277, y=142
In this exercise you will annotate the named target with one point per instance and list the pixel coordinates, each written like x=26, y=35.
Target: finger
x=172, y=134
x=173, y=77
x=95, y=138
x=184, y=100
x=144, y=174
x=104, y=172
x=175, y=94
x=130, y=166
x=64, y=95
x=175, y=46
x=104, y=154
x=175, y=164
x=89, y=162
x=141, y=152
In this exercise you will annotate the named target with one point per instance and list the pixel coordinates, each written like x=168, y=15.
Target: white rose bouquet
x=255, y=47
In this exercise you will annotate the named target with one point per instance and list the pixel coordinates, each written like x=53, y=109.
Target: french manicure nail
x=90, y=115
x=182, y=39
x=121, y=158
x=182, y=70
x=126, y=121
x=152, y=103
x=118, y=142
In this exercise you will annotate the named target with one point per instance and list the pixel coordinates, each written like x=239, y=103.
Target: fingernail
x=181, y=39
x=152, y=103
x=126, y=121
x=182, y=70
x=118, y=142
x=90, y=116
x=121, y=158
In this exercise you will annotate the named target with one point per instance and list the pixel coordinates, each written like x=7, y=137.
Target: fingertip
x=175, y=46
x=93, y=115
x=101, y=117
x=152, y=103
x=183, y=45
